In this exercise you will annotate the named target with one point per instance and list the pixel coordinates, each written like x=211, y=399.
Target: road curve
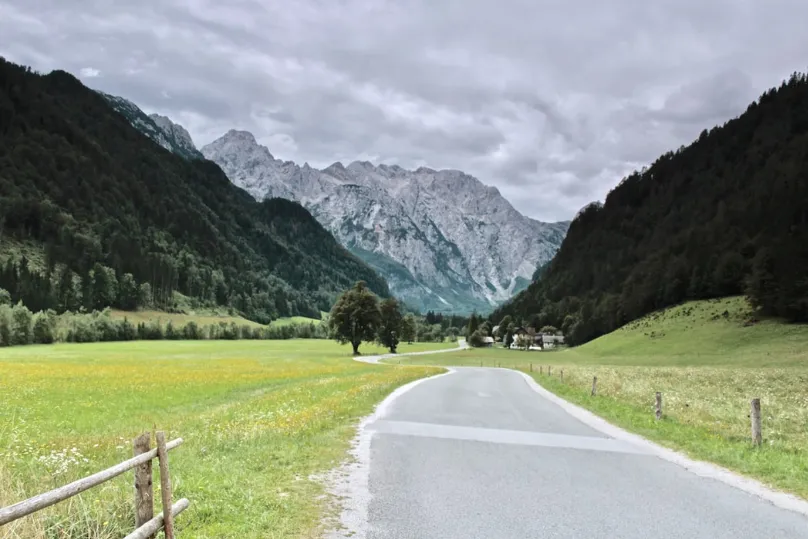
x=461, y=345
x=478, y=453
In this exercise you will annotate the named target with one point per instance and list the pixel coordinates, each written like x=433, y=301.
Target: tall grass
x=259, y=419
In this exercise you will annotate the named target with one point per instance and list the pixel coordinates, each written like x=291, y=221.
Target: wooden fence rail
x=143, y=497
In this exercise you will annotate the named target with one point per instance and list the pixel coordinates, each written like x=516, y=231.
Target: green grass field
x=259, y=418
x=203, y=319
x=293, y=320
x=179, y=319
x=708, y=365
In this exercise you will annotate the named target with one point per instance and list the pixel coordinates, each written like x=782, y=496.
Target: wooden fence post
x=165, y=485
x=531, y=367
x=757, y=437
x=541, y=369
x=549, y=370
x=562, y=375
x=594, y=386
x=144, y=492
x=658, y=405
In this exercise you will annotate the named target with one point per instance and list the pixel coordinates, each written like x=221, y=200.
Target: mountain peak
x=237, y=144
x=441, y=238
x=182, y=142
x=235, y=134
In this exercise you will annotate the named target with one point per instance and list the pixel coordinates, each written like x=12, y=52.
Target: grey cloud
x=551, y=102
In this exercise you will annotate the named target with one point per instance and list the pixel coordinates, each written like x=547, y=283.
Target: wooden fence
x=146, y=524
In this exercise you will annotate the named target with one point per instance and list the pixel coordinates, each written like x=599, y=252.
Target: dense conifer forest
x=726, y=215
x=122, y=222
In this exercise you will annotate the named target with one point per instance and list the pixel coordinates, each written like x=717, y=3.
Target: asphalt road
x=479, y=454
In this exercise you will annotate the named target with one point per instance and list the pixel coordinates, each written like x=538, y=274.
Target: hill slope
x=105, y=201
x=722, y=331
x=726, y=215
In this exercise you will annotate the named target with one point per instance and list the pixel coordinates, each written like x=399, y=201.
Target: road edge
x=348, y=483
x=704, y=469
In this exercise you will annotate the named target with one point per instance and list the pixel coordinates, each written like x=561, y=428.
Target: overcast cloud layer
x=551, y=101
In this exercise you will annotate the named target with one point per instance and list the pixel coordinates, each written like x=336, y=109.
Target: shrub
x=44, y=331
x=105, y=327
x=477, y=339
x=171, y=333
x=126, y=331
x=21, y=319
x=5, y=326
x=191, y=331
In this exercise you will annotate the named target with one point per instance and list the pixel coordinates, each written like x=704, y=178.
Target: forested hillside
x=726, y=215
x=124, y=222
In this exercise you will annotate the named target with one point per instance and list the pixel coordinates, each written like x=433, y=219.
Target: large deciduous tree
x=392, y=321
x=355, y=316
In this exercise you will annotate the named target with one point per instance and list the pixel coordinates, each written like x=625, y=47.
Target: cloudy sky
x=552, y=101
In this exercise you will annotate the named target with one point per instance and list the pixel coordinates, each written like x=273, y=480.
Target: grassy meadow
x=708, y=359
x=202, y=318
x=259, y=419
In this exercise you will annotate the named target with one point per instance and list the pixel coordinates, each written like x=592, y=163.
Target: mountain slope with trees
x=124, y=222
x=726, y=215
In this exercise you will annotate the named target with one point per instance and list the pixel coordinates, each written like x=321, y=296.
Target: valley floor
x=259, y=419
x=708, y=359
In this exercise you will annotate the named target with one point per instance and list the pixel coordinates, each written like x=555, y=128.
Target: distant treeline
x=20, y=326
x=726, y=215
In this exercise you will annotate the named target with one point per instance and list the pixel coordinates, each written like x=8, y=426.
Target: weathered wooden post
x=757, y=436
x=144, y=492
x=594, y=386
x=658, y=405
x=165, y=485
x=541, y=369
x=562, y=375
x=531, y=367
x=549, y=370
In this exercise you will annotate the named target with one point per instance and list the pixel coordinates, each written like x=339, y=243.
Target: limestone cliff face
x=443, y=239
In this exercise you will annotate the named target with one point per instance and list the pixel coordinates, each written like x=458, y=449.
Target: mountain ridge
x=171, y=136
x=463, y=245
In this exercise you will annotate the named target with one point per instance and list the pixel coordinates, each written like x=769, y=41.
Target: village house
x=541, y=341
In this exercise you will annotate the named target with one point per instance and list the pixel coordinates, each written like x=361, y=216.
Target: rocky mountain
x=442, y=239
x=163, y=131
